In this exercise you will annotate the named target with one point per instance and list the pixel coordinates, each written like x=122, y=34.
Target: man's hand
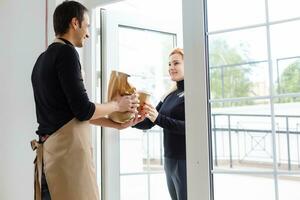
x=137, y=119
x=128, y=103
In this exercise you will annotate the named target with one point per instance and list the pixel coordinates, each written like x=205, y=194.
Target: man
x=64, y=168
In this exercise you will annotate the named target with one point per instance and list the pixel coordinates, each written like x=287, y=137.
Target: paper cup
x=144, y=97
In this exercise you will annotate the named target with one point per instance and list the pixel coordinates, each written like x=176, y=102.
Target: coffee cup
x=144, y=97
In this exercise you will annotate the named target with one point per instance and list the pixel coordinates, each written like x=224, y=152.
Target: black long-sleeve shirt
x=58, y=88
x=171, y=117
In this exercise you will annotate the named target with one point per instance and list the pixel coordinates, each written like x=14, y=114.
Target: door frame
x=198, y=156
x=111, y=21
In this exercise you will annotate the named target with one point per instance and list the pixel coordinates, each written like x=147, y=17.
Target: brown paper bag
x=119, y=85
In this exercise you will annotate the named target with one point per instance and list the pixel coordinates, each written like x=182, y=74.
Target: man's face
x=82, y=33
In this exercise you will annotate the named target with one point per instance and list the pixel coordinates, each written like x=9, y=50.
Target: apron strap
x=58, y=40
x=38, y=165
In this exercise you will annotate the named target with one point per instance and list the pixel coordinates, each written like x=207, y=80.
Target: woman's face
x=176, y=67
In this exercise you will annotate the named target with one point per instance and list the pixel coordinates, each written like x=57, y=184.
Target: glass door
x=143, y=53
x=131, y=42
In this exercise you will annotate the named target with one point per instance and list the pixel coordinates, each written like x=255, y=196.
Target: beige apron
x=68, y=163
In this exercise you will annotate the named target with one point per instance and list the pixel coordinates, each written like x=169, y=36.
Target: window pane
x=283, y=9
x=156, y=86
x=241, y=130
x=148, y=73
x=237, y=47
x=158, y=187
x=286, y=58
x=141, y=151
x=132, y=151
x=135, y=48
x=245, y=187
x=241, y=135
x=144, y=55
x=285, y=40
x=287, y=76
x=289, y=187
x=239, y=81
x=288, y=133
x=223, y=15
x=154, y=157
x=134, y=187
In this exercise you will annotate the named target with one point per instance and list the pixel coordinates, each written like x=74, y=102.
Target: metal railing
x=256, y=130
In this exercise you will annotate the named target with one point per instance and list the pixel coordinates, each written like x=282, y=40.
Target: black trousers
x=176, y=178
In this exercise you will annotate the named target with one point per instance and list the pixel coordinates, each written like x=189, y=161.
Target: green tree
x=227, y=79
x=289, y=81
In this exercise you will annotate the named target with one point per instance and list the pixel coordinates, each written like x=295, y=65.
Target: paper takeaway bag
x=119, y=85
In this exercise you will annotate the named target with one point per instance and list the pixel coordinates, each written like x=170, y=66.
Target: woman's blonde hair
x=174, y=86
x=177, y=51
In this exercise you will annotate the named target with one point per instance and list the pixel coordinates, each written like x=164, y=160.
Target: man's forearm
x=104, y=109
x=105, y=122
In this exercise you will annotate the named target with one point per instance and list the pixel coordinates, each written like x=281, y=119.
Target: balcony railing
x=247, y=138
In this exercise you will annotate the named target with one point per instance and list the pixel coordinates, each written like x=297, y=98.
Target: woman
x=170, y=115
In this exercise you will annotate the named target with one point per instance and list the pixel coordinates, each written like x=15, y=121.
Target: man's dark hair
x=64, y=13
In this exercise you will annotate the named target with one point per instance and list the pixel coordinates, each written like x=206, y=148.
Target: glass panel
x=287, y=75
x=234, y=13
x=283, y=9
x=136, y=46
x=289, y=46
x=144, y=55
x=132, y=151
x=158, y=187
x=288, y=187
x=241, y=135
x=288, y=133
x=149, y=74
x=245, y=187
x=141, y=151
x=241, y=131
x=154, y=140
x=134, y=187
x=237, y=47
x=239, y=81
x=156, y=86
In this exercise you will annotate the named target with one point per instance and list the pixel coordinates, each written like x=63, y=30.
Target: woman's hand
x=151, y=112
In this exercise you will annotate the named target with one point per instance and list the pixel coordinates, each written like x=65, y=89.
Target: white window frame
x=196, y=109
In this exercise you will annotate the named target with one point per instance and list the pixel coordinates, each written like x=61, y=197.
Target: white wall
x=21, y=40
